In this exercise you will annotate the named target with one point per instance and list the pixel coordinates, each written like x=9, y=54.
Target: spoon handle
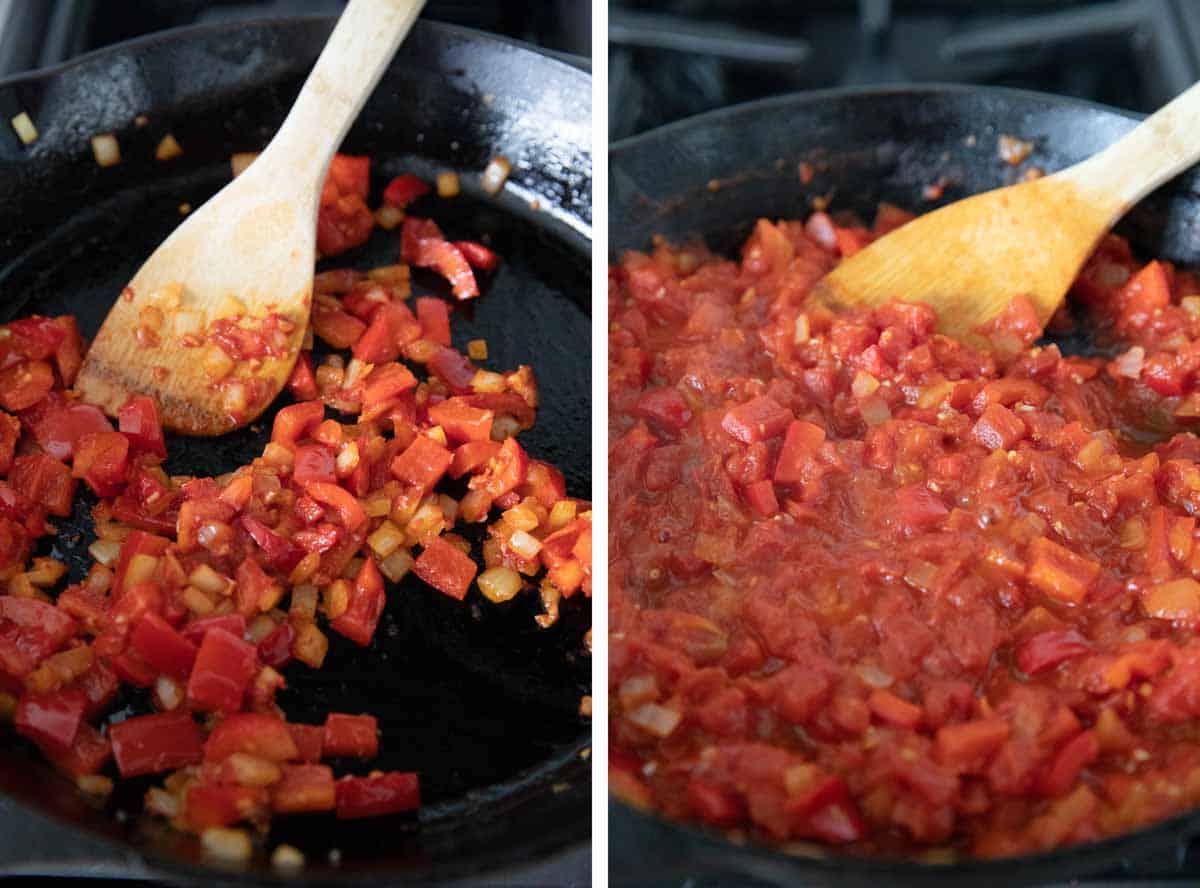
x=355, y=57
x=1163, y=145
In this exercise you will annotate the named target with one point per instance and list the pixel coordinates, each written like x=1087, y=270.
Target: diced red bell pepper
x=321, y=538
x=893, y=710
x=1059, y=572
x=800, y=447
x=412, y=232
x=434, y=316
x=1075, y=755
x=479, y=257
x=303, y=789
x=138, y=421
x=302, y=384
x=543, y=482
x=255, y=590
x=234, y=624
x=296, y=421
x=44, y=480
x=1047, y=649
x=32, y=631
x=448, y=260
x=224, y=666
x=918, y=508
x=276, y=649
x=309, y=740
x=403, y=190
x=209, y=805
x=343, y=223
x=24, y=384
x=89, y=752
x=423, y=463
x=462, y=422
x=349, y=174
x=100, y=686
x=831, y=813
x=664, y=408
x=313, y=462
x=387, y=793
x=51, y=720
x=760, y=496
x=757, y=420
x=998, y=428
x=102, y=462
x=138, y=542
x=967, y=743
x=282, y=554
x=505, y=472
x=58, y=432
x=69, y=354
x=10, y=432
x=365, y=606
x=384, y=388
x=351, y=735
x=348, y=508
x=150, y=744
x=392, y=327
x=338, y=328
x=263, y=736
x=454, y=369
x=133, y=670
x=162, y=646
x=472, y=456
x=446, y=568
x=35, y=337
x=714, y=805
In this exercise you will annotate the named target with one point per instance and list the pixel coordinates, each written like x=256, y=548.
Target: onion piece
x=168, y=148
x=655, y=719
x=448, y=184
x=477, y=350
x=495, y=174
x=105, y=552
x=396, y=565
x=240, y=161
x=26, y=131
x=223, y=843
x=106, y=150
x=499, y=584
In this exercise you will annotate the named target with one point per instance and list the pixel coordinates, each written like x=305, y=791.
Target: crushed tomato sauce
x=877, y=588
x=205, y=590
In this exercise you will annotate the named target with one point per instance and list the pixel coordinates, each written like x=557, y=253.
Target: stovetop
x=671, y=59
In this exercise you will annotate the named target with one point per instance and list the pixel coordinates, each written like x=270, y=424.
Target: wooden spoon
x=969, y=259
x=246, y=256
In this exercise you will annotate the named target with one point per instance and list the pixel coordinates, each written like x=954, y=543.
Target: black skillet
x=475, y=697
x=711, y=177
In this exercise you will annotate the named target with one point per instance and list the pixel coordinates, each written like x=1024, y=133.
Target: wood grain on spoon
x=247, y=255
x=971, y=258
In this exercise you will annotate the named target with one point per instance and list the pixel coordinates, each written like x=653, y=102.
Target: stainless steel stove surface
x=670, y=59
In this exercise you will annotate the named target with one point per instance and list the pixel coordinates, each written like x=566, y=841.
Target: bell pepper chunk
x=138, y=421
x=162, y=646
x=342, y=501
x=350, y=735
x=801, y=445
x=262, y=736
x=462, y=422
x=434, y=316
x=88, y=753
x=302, y=384
x=1059, y=572
x=224, y=666
x=102, y=462
x=51, y=720
x=365, y=606
x=759, y=419
x=404, y=189
x=309, y=740
x=377, y=795
x=150, y=744
x=294, y=422
x=423, y=463
x=446, y=568
x=304, y=789
x=58, y=432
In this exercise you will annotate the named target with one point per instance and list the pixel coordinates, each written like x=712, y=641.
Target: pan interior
x=475, y=697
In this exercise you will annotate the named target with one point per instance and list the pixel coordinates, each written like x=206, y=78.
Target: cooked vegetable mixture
x=203, y=589
x=877, y=588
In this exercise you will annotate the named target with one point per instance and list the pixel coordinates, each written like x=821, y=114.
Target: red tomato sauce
x=877, y=588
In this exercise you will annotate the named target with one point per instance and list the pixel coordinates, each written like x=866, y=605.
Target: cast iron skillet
x=475, y=697
x=711, y=177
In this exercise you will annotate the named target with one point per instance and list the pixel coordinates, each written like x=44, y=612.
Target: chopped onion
x=504, y=427
x=106, y=150
x=562, y=514
x=140, y=569
x=1129, y=364
x=216, y=363
x=525, y=545
x=306, y=569
x=167, y=692
x=304, y=603
x=386, y=539
x=168, y=148
x=95, y=785
x=250, y=770
x=26, y=131
x=235, y=399
x=477, y=350
x=208, y=580
x=864, y=384
x=486, y=382
x=388, y=217
x=238, y=162
x=163, y=803
x=448, y=184
x=106, y=552
x=495, y=174
x=259, y=628
x=197, y=601
x=396, y=565
x=189, y=323
x=874, y=676
x=285, y=857
x=336, y=598
x=802, y=331
x=521, y=517
x=310, y=646
x=226, y=844
x=499, y=584
x=655, y=719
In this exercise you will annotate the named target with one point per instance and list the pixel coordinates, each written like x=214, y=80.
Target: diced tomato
x=262, y=736
x=309, y=740
x=403, y=190
x=454, y=369
x=349, y=510
x=461, y=422
x=276, y=649
x=757, y=420
x=350, y=735
x=138, y=421
x=966, y=743
x=379, y=794
x=1059, y=572
x=58, y=432
x=665, y=409
x=350, y=174
x=894, y=710
x=760, y=496
x=919, y=508
x=89, y=752
x=714, y=805
x=479, y=257
x=446, y=568
x=162, y=647
x=1047, y=649
x=44, y=480
x=296, y=421
x=224, y=666
x=35, y=337
x=150, y=744
x=304, y=789
x=998, y=428
x=51, y=720
x=132, y=669
x=1075, y=755
x=102, y=462
x=302, y=384
x=434, y=316
x=24, y=384
x=336, y=327
x=365, y=606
